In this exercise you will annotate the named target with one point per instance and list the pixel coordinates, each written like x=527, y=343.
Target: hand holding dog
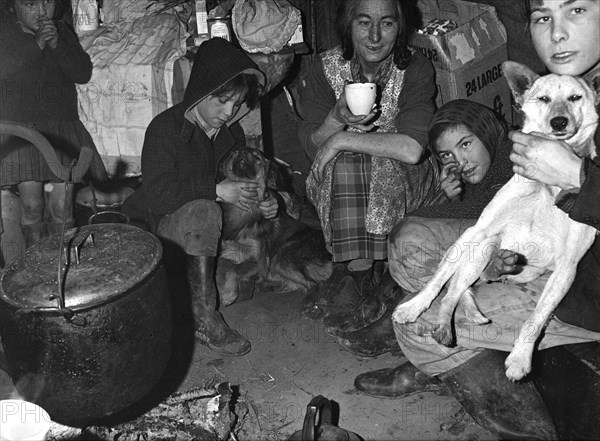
x=239, y=193
x=269, y=207
x=544, y=160
x=450, y=180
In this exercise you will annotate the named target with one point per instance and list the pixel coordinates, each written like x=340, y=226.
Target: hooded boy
x=182, y=148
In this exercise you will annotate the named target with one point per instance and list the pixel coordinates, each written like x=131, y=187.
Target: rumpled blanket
x=131, y=83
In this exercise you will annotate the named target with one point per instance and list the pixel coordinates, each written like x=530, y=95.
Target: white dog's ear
x=520, y=78
x=593, y=80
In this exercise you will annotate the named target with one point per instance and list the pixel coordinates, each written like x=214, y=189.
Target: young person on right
x=566, y=36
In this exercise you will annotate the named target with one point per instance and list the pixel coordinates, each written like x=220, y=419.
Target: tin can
x=220, y=27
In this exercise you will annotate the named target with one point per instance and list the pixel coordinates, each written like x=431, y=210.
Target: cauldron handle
x=71, y=174
x=62, y=172
x=72, y=252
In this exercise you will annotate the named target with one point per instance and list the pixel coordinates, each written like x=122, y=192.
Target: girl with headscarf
x=472, y=148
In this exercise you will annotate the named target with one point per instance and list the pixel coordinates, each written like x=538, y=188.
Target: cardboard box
x=467, y=60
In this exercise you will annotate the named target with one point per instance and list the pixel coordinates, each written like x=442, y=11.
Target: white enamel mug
x=360, y=97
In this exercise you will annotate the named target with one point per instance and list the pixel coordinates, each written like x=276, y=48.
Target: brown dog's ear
x=520, y=78
x=593, y=80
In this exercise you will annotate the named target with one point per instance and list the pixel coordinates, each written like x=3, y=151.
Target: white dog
x=522, y=212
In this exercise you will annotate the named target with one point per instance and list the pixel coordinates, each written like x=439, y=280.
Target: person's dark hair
x=436, y=131
x=477, y=118
x=8, y=7
x=526, y=8
x=407, y=14
x=245, y=84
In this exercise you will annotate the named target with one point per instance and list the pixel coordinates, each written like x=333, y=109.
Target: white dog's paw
x=517, y=366
x=408, y=312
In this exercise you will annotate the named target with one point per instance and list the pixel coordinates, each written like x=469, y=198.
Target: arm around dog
x=587, y=205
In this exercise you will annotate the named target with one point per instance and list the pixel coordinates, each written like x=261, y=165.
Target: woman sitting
x=368, y=170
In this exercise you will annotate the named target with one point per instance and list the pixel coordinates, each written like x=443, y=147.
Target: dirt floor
x=293, y=360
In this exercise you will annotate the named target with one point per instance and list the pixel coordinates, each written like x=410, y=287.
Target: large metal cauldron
x=108, y=344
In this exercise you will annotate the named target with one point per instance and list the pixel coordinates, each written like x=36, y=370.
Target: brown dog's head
x=245, y=164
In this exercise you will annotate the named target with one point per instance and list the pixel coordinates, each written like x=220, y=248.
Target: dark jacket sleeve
x=18, y=50
x=74, y=62
x=587, y=205
x=317, y=98
x=581, y=305
x=416, y=100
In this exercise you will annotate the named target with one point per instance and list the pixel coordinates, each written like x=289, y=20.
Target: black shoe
x=398, y=382
x=356, y=285
x=376, y=339
x=320, y=298
x=371, y=308
x=508, y=410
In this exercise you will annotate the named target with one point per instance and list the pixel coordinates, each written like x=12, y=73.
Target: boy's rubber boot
x=508, y=410
x=372, y=306
x=34, y=233
x=211, y=328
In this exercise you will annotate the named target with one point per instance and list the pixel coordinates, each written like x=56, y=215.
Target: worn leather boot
x=359, y=284
x=373, y=340
x=508, y=410
x=33, y=233
x=370, y=309
x=211, y=328
x=398, y=382
x=320, y=298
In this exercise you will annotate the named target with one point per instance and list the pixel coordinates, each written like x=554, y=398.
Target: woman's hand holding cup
x=342, y=114
x=360, y=97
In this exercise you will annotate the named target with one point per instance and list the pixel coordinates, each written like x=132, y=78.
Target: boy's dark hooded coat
x=179, y=161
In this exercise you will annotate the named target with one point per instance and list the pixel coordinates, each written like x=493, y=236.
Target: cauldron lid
x=116, y=259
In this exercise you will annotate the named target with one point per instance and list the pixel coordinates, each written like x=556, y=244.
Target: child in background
x=42, y=61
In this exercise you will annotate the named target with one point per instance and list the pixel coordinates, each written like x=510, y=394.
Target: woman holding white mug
x=368, y=170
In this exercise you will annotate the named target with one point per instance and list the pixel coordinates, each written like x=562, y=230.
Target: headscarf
x=479, y=119
x=493, y=133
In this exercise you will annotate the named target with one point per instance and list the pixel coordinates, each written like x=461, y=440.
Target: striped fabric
x=350, y=193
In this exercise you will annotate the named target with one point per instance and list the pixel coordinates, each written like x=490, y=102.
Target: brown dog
x=282, y=251
x=524, y=213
